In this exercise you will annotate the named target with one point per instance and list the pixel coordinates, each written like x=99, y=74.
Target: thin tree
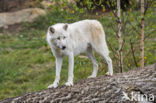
x=142, y=36
x=120, y=41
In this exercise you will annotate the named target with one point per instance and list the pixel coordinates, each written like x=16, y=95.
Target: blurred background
x=26, y=62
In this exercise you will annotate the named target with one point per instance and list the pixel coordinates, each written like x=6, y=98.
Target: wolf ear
x=65, y=26
x=52, y=30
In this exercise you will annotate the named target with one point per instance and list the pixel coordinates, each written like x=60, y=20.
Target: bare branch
x=148, y=4
x=115, y=54
x=149, y=33
x=133, y=53
x=134, y=28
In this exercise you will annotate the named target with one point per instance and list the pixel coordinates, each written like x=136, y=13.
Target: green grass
x=27, y=64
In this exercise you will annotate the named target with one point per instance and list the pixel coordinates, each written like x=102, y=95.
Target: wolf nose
x=64, y=47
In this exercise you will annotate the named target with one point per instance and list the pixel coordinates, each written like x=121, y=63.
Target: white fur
x=80, y=37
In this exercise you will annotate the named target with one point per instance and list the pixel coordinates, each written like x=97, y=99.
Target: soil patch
x=15, y=5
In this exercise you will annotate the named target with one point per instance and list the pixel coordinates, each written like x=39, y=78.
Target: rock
x=25, y=15
x=135, y=86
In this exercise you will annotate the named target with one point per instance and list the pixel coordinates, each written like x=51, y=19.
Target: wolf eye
x=64, y=37
x=58, y=38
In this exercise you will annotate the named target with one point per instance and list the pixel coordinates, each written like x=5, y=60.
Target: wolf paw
x=108, y=74
x=69, y=83
x=54, y=85
x=92, y=76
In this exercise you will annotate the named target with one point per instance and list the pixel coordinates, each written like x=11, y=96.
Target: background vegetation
x=27, y=64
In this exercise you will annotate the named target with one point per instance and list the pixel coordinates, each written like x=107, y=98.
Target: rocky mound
x=135, y=86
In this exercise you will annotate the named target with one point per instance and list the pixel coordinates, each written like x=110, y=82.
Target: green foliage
x=100, y=5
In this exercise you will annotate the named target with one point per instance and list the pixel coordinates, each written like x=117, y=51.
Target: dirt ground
x=14, y=5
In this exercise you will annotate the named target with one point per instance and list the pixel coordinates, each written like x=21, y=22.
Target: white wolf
x=72, y=39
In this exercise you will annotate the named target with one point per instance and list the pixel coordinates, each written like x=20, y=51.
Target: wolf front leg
x=70, y=70
x=57, y=75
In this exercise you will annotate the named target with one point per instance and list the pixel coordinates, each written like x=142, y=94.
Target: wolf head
x=59, y=35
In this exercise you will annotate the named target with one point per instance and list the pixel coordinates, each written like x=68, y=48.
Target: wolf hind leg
x=104, y=52
x=94, y=62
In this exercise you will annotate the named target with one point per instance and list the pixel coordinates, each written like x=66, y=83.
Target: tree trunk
x=142, y=36
x=119, y=37
x=130, y=87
